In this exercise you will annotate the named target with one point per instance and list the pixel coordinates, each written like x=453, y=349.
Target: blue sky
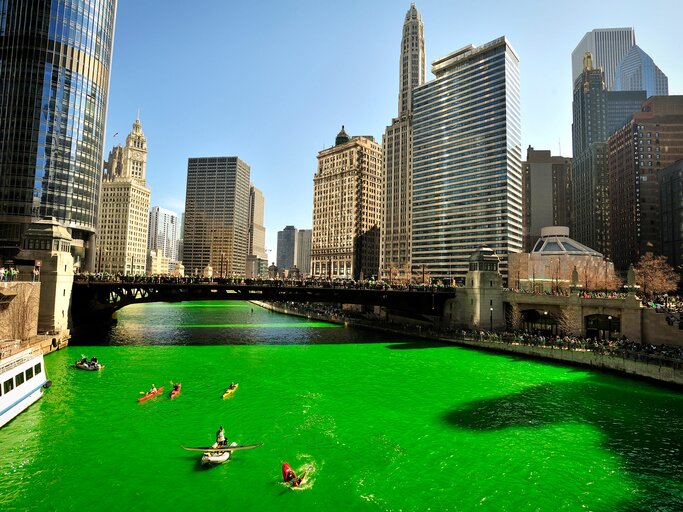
x=272, y=81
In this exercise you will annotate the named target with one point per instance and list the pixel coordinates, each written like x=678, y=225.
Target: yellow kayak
x=229, y=391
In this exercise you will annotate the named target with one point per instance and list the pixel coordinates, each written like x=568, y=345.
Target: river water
x=387, y=423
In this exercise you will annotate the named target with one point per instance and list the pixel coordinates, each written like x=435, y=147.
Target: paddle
x=305, y=473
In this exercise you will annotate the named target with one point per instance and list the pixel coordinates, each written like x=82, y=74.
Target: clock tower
x=124, y=208
x=135, y=154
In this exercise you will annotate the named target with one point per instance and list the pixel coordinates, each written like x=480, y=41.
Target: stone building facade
x=346, y=209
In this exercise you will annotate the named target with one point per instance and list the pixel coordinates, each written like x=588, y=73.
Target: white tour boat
x=22, y=379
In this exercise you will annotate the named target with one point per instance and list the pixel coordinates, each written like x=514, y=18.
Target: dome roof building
x=553, y=259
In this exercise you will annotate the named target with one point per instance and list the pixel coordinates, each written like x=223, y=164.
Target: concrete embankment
x=640, y=369
x=45, y=342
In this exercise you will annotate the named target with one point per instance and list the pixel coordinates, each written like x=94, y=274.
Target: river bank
x=648, y=368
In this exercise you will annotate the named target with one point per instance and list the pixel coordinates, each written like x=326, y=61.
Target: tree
x=568, y=324
x=515, y=317
x=654, y=275
x=19, y=318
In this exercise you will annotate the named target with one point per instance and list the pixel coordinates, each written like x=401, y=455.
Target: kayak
x=151, y=395
x=175, y=391
x=218, y=457
x=287, y=472
x=290, y=477
x=230, y=391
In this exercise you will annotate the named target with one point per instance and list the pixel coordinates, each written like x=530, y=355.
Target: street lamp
x=491, y=318
x=609, y=327
x=545, y=320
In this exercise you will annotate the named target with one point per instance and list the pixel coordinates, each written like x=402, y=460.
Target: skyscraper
x=671, y=192
x=467, y=162
x=256, y=236
x=124, y=207
x=397, y=152
x=608, y=46
x=286, y=248
x=596, y=113
x=303, y=250
x=216, y=215
x=637, y=71
x=257, y=230
x=346, y=209
x=547, y=193
x=650, y=141
x=55, y=59
x=164, y=232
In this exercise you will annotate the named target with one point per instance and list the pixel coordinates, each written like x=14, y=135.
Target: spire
x=588, y=61
x=342, y=137
x=412, y=62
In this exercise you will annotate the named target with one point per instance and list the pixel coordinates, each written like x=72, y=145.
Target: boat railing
x=10, y=349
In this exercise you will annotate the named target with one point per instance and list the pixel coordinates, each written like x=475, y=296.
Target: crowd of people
x=657, y=354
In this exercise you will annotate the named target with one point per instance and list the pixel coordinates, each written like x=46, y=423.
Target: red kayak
x=289, y=476
x=151, y=395
x=175, y=391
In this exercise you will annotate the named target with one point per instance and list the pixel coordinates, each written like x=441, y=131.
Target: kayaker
x=220, y=437
x=93, y=360
x=153, y=389
x=290, y=477
x=232, y=386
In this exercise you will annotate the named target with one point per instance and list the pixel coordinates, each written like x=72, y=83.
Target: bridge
x=96, y=301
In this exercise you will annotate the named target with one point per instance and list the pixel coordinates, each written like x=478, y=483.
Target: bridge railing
x=284, y=283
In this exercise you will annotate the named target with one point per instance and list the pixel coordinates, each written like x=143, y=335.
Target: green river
x=387, y=423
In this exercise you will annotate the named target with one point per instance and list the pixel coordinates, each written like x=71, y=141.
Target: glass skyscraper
x=55, y=59
x=637, y=72
x=467, y=160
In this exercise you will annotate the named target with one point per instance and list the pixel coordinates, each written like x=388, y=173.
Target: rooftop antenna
x=559, y=146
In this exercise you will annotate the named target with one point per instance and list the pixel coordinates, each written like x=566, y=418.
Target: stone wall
x=657, y=331
x=642, y=369
x=19, y=317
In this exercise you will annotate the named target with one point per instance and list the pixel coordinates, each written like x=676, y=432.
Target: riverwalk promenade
x=663, y=364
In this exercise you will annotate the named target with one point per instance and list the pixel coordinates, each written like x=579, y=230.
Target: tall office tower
x=649, y=142
x=346, y=209
x=216, y=215
x=637, y=71
x=596, y=114
x=303, y=250
x=164, y=232
x=257, y=230
x=286, y=248
x=55, y=59
x=257, y=259
x=467, y=162
x=671, y=192
x=608, y=46
x=397, y=157
x=124, y=208
x=546, y=193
